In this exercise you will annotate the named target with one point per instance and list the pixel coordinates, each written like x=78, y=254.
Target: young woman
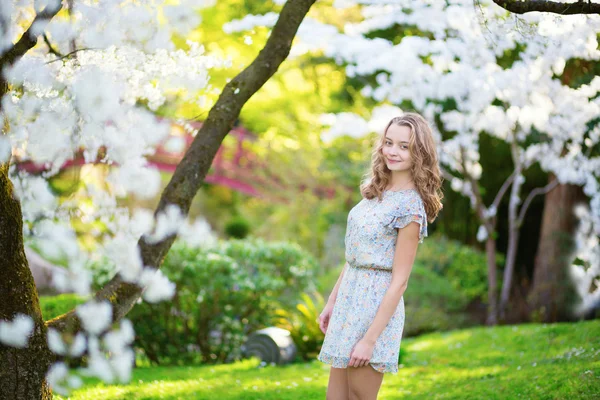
x=364, y=316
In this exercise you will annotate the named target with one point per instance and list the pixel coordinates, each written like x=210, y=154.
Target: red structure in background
x=230, y=170
x=231, y=167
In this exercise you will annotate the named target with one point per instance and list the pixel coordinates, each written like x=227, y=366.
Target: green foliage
x=532, y=361
x=463, y=267
x=54, y=306
x=432, y=303
x=446, y=278
x=302, y=323
x=277, y=260
x=222, y=295
x=238, y=227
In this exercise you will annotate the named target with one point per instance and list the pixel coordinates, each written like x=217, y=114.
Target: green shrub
x=446, y=278
x=464, y=267
x=54, y=306
x=284, y=261
x=432, y=303
x=222, y=295
x=237, y=227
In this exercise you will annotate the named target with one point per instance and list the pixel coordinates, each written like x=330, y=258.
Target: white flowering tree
x=448, y=61
x=85, y=75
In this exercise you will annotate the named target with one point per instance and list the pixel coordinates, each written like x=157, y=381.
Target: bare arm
x=334, y=292
x=404, y=257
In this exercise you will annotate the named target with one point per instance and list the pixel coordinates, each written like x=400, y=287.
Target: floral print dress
x=370, y=241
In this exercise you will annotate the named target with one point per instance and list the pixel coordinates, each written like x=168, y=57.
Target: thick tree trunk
x=552, y=294
x=22, y=370
x=490, y=249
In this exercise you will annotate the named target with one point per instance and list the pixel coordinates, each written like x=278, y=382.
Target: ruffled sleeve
x=400, y=217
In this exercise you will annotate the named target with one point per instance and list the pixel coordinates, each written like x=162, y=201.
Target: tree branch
x=503, y=190
x=28, y=40
x=532, y=194
x=479, y=204
x=194, y=166
x=69, y=54
x=51, y=49
x=525, y=6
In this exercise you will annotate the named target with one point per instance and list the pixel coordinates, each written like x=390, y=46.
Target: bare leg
x=364, y=382
x=337, y=388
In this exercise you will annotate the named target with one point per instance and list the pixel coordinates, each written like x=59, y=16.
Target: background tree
x=460, y=71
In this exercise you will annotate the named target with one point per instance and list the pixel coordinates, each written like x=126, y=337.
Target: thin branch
x=70, y=54
x=193, y=168
x=28, y=40
x=479, y=204
x=532, y=194
x=503, y=190
x=51, y=49
x=525, y=6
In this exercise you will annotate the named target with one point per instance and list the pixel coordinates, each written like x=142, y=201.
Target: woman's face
x=395, y=148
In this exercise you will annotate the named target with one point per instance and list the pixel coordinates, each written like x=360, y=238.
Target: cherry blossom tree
x=94, y=81
x=523, y=104
x=453, y=72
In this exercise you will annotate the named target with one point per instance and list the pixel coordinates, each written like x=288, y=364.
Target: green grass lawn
x=531, y=361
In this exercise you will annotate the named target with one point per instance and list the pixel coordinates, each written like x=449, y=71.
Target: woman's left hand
x=361, y=353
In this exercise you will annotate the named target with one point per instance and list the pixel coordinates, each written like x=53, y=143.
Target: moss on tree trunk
x=22, y=371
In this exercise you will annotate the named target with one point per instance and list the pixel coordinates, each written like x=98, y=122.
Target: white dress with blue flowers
x=370, y=241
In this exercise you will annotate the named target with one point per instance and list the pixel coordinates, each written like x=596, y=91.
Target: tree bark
x=23, y=370
x=490, y=249
x=525, y=6
x=551, y=293
x=514, y=226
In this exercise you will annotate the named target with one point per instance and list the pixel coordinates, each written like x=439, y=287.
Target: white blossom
x=182, y=20
x=198, y=234
x=157, y=286
x=587, y=250
x=55, y=342
x=250, y=21
x=97, y=94
x=343, y=124
x=482, y=234
x=95, y=316
x=16, y=333
x=5, y=148
x=117, y=341
x=57, y=378
x=168, y=222
x=58, y=345
x=124, y=253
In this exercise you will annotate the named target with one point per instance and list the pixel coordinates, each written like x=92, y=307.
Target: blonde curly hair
x=425, y=168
